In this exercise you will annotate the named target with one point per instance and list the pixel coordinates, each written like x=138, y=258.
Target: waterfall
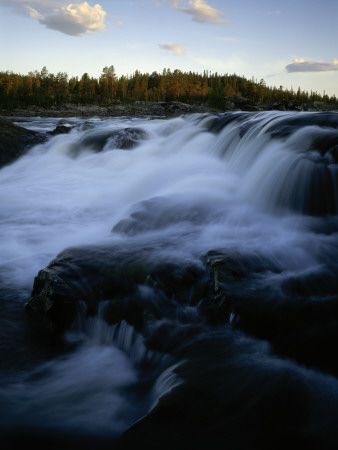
x=201, y=254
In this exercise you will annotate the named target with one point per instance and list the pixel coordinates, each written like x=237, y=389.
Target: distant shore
x=138, y=108
x=162, y=109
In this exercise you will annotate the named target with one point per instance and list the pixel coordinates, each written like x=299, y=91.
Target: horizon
x=290, y=45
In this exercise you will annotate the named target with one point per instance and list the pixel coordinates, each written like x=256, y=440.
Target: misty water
x=256, y=186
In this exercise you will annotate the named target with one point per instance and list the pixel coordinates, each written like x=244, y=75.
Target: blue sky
x=286, y=42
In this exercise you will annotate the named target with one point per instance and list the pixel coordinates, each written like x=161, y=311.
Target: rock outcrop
x=82, y=278
x=15, y=141
x=142, y=290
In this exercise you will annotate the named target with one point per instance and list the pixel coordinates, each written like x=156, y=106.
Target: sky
x=289, y=43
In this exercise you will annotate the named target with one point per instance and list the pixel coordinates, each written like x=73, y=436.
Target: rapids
x=257, y=186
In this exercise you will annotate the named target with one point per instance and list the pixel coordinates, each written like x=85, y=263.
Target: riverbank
x=160, y=109
x=163, y=109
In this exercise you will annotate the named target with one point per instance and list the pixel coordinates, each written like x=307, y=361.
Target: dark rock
x=278, y=106
x=137, y=108
x=298, y=316
x=184, y=284
x=134, y=286
x=235, y=102
x=83, y=275
x=238, y=103
x=53, y=301
x=125, y=139
x=60, y=129
x=15, y=141
x=251, y=108
x=231, y=279
x=231, y=383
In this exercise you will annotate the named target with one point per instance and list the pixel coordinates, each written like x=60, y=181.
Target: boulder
x=96, y=141
x=15, y=141
x=76, y=278
x=60, y=129
x=124, y=139
x=53, y=301
x=135, y=286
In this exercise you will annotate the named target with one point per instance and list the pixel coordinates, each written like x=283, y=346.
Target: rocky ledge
x=15, y=141
x=224, y=289
x=156, y=298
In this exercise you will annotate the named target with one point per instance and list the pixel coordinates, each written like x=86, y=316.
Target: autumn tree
x=41, y=88
x=108, y=84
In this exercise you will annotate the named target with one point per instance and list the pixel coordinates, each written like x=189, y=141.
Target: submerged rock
x=15, y=141
x=298, y=315
x=158, y=213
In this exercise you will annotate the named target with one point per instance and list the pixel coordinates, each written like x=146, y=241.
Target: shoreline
x=162, y=109
x=154, y=109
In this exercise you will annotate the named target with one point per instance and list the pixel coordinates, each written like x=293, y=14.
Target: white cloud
x=200, y=11
x=173, y=48
x=302, y=65
x=73, y=19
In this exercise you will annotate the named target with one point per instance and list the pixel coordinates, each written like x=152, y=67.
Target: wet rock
x=298, y=315
x=53, y=301
x=230, y=383
x=61, y=129
x=184, y=284
x=80, y=276
x=158, y=213
x=15, y=141
x=230, y=278
x=125, y=139
x=135, y=287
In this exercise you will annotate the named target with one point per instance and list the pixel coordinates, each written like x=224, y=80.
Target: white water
x=51, y=200
x=193, y=189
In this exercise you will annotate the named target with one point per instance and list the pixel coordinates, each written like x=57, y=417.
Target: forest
x=44, y=89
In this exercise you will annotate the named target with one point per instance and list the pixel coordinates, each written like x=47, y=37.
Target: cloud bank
x=301, y=65
x=200, y=11
x=173, y=48
x=75, y=19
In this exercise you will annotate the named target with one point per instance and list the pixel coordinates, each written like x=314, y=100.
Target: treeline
x=45, y=89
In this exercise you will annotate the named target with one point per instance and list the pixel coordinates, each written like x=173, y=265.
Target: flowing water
x=257, y=186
